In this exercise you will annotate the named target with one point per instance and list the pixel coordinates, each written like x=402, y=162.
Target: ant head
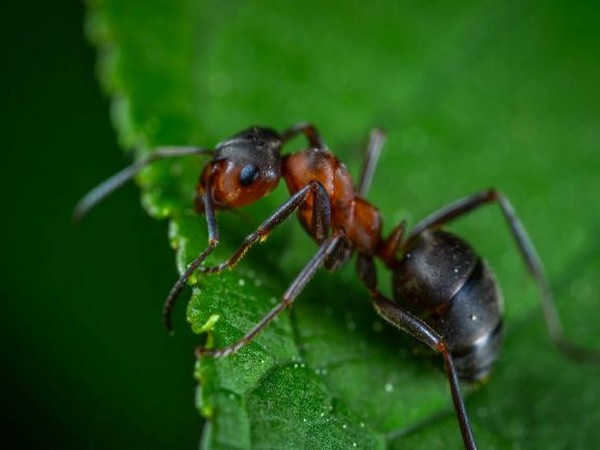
x=243, y=169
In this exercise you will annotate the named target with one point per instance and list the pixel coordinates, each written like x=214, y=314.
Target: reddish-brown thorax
x=360, y=220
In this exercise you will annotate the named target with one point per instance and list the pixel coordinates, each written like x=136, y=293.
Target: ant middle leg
x=327, y=248
x=528, y=253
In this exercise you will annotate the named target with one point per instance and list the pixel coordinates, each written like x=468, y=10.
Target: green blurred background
x=85, y=360
x=81, y=368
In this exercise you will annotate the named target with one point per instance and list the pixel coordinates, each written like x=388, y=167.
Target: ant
x=444, y=294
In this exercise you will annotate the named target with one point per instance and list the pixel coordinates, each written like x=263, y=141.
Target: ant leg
x=314, y=138
x=107, y=187
x=321, y=223
x=376, y=141
x=527, y=251
x=389, y=247
x=309, y=131
x=213, y=241
x=326, y=249
x=419, y=330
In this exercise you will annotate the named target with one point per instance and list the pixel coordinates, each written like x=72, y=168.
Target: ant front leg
x=213, y=242
x=527, y=250
x=321, y=224
x=418, y=329
x=327, y=248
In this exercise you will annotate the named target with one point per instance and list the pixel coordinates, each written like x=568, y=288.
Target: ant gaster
x=445, y=295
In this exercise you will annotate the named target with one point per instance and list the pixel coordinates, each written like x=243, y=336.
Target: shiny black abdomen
x=442, y=280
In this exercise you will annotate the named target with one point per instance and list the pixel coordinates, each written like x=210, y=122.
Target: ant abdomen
x=442, y=280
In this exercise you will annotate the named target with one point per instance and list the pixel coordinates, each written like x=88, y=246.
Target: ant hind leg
x=418, y=329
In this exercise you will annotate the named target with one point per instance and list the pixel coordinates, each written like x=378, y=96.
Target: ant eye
x=248, y=174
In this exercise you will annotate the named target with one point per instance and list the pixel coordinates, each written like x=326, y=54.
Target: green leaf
x=472, y=95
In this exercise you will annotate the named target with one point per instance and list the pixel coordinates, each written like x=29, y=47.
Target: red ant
x=445, y=295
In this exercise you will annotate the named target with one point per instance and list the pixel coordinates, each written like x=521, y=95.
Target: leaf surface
x=472, y=95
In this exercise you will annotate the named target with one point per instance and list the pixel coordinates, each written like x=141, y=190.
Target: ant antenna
x=107, y=187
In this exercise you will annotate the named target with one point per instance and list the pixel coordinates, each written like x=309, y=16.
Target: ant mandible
x=445, y=295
